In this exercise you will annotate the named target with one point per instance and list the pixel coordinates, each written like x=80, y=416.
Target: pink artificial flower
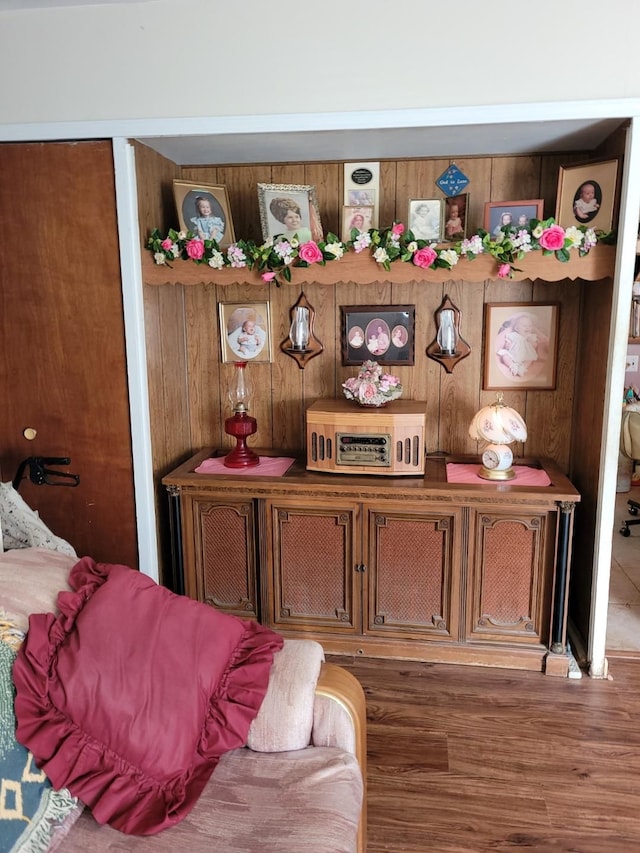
x=195, y=249
x=552, y=238
x=367, y=391
x=268, y=276
x=424, y=257
x=397, y=229
x=167, y=244
x=504, y=271
x=310, y=252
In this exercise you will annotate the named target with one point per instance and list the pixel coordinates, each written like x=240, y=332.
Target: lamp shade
x=498, y=424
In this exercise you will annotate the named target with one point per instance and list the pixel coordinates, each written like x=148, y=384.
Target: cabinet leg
x=559, y=616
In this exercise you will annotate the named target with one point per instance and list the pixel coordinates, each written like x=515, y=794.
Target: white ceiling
x=20, y=5
x=378, y=144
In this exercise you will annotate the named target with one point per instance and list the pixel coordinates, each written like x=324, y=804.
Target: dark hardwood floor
x=475, y=759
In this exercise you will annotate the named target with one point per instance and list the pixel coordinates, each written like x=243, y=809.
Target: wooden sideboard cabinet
x=411, y=568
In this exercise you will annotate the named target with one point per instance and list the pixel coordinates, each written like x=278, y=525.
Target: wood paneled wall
x=189, y=396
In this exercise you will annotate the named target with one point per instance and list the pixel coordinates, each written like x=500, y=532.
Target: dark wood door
x=62, y=349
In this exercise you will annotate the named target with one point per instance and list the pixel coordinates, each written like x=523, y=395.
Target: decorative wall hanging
x=302, y=344
x=448, y=347
x=452, y=181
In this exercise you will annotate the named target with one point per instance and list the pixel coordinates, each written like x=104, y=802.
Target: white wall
x=164, y=58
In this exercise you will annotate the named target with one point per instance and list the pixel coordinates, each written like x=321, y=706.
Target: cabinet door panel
x=313, y=575
x=413, y=587
x=225, y=573
x=511, y=577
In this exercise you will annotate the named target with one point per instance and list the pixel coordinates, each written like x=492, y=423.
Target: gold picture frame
x=598, y=181
x=216, y=224
x=278, y=202
x=245, y=331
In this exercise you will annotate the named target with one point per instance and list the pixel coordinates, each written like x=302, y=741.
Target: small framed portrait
x=520, y=346
x=455, y=217
x=245, y=331
x=384, y=334
x=426, y=218
x=587, y=195
x=204, y=210
x=356, y=216
x=290, y=210
x=518, y=214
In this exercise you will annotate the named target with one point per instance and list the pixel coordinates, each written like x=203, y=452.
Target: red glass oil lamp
x=240, y=425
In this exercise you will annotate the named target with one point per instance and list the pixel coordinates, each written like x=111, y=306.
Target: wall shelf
x=362, y=269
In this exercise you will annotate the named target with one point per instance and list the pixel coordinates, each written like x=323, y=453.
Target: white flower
x=412, y=247
x=590, y=238
x=362, y=241
x=160, y=258
x=175, y=250
x=216, y=260
x=381, y=255
x=182, y=235
x=472, y=246
x=575, y=235
x=537, y=231
x=295, y=242
x=450, y=256
x=335, y=249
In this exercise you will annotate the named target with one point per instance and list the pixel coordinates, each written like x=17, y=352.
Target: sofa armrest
x=340, y=719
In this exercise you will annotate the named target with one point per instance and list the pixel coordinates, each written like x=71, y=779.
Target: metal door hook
x=43, y=476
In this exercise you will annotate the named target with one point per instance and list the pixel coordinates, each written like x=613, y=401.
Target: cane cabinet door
x=313, y=559
x=222, y=567
x=413, y=576
x=511, y=576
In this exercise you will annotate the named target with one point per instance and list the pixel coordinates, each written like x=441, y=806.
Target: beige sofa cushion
x=30, y=580
x=287, y=802
x=285, y=719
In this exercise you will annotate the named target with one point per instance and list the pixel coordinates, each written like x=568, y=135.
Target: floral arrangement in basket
x=275, y=258
x=372, y=387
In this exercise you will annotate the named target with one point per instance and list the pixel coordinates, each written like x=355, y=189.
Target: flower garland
x=276, y=256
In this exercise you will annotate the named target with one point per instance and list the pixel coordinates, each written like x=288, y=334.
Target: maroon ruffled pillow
x=132, y=694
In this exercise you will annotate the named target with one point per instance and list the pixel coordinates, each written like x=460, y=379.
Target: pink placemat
x=525, y=476
x=269, y=466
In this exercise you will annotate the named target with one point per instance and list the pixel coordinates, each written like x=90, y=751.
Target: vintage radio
x=346, y=439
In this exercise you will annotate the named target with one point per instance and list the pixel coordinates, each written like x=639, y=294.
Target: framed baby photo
x=455, y=217
x=520, y=346
x=245, y=331
x=204, y=210
x=426, y=219
x=290, y=210
x=383, y=334
x=587, y=195
x=356, y=216
x=517, y=214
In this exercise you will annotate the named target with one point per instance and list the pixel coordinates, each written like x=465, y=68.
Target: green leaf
x=562, y=255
